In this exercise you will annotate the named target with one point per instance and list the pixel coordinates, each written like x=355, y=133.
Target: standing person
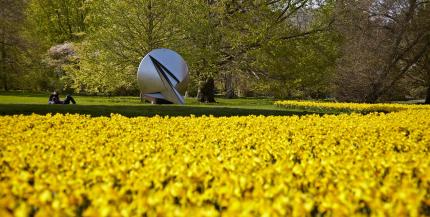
x=54, y=98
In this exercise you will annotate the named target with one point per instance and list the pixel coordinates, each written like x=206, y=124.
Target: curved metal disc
x=161, y=72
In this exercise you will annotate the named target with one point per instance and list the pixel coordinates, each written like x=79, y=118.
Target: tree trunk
x=142, y=99
x=3, y=73
x=428, y=96
x=372, y=96
x=207, y=91
x=229, y=86
x=5, y=86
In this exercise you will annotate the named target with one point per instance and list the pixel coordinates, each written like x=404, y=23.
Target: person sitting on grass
x=55, y=99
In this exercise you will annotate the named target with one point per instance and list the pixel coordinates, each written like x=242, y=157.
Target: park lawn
x=13, y=103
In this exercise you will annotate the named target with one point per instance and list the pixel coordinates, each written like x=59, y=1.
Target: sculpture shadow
x=145, y=110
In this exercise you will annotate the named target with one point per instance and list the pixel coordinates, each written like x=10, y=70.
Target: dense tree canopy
x=384, y=42
x=12, y=43
x=351, y=50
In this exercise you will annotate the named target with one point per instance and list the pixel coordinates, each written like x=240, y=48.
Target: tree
x=299, y=60
x=61, y=58
x=227, y=37
x=426, y=75
x=12, y=44
x=420, y=72
x=420, y=77
x=58, y=21
x=45, y=26
x=116, y=42
x=200, y=22
x=383, y=40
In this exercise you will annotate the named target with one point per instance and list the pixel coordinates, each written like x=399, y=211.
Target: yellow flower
x=336, y=165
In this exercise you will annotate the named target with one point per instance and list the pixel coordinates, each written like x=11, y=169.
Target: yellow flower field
x=346, y=165
x=358, y=107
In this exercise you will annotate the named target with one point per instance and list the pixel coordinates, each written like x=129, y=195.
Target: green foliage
x=57, y=21
x=295, y=58
x=12, y=44
x=117, y=42
x=202, y=37
x=299, y=68
x=248, y=47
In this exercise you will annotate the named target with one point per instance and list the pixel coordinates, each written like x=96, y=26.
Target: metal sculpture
x=163, y=76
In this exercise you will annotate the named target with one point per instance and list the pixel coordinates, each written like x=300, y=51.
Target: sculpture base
x=162, y=101
x=154, y=100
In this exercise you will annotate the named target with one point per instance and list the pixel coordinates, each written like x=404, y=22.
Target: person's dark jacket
x=55, y=98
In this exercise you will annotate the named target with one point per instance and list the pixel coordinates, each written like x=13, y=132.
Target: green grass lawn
x=12, y=103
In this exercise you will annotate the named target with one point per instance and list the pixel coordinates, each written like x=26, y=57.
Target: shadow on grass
x=142, y=110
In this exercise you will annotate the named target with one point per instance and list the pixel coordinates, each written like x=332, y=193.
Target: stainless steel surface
x=163, y=74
